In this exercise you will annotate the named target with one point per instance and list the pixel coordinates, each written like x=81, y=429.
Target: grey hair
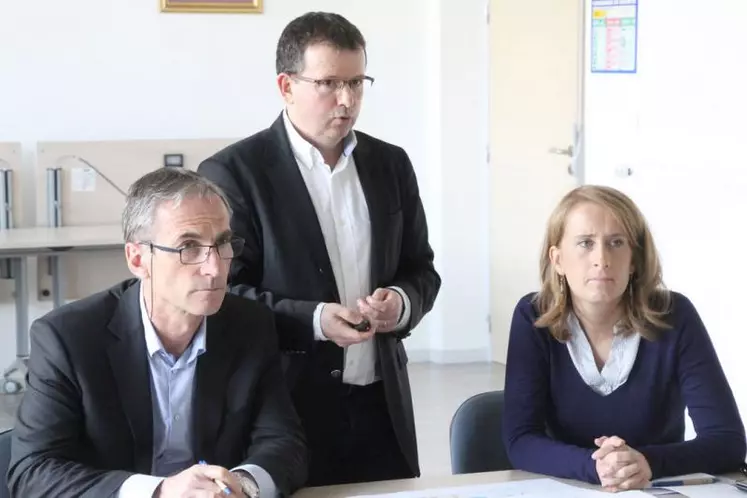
x=310, y=29
x=150, y=191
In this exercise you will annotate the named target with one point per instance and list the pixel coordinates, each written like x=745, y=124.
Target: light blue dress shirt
x=172, y=388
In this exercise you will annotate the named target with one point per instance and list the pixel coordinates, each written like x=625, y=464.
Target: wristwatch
x=248, y=484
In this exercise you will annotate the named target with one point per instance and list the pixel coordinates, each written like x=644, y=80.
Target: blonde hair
x=646, y=302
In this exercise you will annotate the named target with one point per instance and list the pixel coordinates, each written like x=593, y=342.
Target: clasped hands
x=619, y=466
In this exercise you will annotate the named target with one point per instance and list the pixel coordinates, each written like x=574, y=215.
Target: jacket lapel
x=291, y=191
x=211, y=377
x=129, y=359
x=373, y=185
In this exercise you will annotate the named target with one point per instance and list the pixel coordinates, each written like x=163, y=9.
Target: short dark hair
x=310, y=29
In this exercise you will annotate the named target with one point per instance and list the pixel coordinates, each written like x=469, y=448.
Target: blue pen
x=224, y=489
x=684, y=482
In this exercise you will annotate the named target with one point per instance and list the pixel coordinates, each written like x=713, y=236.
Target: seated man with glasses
x=161, y=384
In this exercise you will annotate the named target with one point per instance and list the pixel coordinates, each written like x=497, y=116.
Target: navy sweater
x=544, y=395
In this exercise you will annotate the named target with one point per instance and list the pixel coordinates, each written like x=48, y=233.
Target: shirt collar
x=305, y=152
x=154, y=344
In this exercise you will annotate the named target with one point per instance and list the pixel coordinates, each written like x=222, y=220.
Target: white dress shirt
x=618, y=365
x=342, y=211
x=172, y=387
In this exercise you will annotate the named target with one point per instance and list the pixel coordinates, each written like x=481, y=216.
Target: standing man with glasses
x=131, y=389
x=337, y=245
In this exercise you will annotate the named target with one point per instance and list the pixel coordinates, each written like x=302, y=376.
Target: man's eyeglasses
x=328, y=86
x=194, y=254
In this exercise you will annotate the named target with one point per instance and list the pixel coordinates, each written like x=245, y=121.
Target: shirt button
x=336, y=374
x=176, y=418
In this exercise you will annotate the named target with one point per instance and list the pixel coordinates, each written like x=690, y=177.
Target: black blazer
x=86, y=422
x=285, y=262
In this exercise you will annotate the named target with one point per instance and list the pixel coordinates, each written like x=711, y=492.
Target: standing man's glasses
x=328, y=86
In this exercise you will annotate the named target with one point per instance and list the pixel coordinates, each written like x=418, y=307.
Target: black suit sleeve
x=416, y=274
x=45, y=448
x=278, y=443
x=247, y=268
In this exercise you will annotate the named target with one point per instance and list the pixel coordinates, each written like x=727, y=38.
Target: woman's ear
x=555, y=260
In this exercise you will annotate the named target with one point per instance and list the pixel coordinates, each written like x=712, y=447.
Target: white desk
x=345, y=490
x=17, y=244
x=41, y=240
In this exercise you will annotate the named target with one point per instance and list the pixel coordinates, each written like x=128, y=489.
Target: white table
x=345, y=490
x=17, y=244
x=432, y=482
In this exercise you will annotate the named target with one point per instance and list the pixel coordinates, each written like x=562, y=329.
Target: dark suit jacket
x=86, y=422
x=285, y=262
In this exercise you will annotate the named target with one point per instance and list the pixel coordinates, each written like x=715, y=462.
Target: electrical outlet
x=173, y=160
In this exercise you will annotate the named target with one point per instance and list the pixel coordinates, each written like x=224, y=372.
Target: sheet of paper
x=614, y=38
x=83, y=180
x=669, y=493
x=533, y=488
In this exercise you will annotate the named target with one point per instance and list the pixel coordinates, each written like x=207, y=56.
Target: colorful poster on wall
x=614, y=36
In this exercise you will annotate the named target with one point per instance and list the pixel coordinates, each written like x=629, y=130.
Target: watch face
x=248, y=485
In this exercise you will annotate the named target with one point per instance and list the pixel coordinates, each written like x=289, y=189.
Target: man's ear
x=137, y=262
x=285, y=87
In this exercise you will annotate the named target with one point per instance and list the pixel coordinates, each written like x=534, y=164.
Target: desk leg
x=57, y=282
x=16, y=383
x=22, y=307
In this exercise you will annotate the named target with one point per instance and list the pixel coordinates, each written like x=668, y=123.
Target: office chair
x=4, y=462
x=476, y=435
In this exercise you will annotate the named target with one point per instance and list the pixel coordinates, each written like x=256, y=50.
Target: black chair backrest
x=476, y=435
x=4, y=462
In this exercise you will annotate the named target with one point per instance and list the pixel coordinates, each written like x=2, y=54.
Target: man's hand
x=619, y=466
x=199, y=481
x=382, y=308
x=335, y=325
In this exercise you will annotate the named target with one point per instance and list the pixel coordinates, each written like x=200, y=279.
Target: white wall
x=679, y=124
x=105, y=69
x=457, y=138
